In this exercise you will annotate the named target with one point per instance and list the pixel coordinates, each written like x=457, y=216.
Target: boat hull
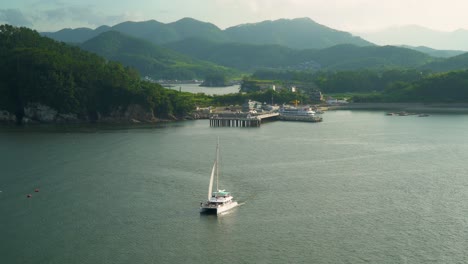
x=300, y=118
x=205, y=209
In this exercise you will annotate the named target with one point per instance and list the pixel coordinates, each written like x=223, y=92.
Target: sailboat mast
x=217, y=165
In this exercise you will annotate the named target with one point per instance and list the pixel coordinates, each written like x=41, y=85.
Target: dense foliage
x=35, y=69
x=150, y=59
x=450, y=87
x=249, y=57
x=396, y=85
x=362, y=81
x=268, y=96
x=246, y=57
x=215, y=79
x=459, y=62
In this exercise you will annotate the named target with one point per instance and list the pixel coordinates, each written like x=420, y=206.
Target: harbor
x=252, y=118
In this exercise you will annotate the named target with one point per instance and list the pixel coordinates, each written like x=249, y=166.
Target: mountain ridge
x=250, y=57
x=300, y=33
x=148, y=58
x=414, y=35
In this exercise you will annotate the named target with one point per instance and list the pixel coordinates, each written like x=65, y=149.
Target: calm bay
x=359, y=187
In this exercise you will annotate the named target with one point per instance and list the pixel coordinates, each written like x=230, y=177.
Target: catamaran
x=219, y=201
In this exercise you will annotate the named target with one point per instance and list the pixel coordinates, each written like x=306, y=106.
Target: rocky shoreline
x=37, y=113
x=133, y=114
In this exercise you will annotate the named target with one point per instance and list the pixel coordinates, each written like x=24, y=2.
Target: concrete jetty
x=240, y=119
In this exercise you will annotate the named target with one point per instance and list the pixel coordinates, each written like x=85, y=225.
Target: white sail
x=210, y=188
x=223, y=201
x=213, y=172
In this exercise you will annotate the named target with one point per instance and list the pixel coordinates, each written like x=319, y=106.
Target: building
x=250, y=106
x=334, y=101
x=316, y=96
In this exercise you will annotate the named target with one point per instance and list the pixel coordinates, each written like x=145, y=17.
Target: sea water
x=359, y=187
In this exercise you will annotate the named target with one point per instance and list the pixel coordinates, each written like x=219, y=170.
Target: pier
x=240, y=120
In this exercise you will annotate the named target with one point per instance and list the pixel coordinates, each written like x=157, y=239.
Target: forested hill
x=246, y=57
x=150, y=59
x=448, y=87
x=301, y=33
x=340, y=57
x=350, y=57
x=160, y=33
x=36, y=70
x=459, y=62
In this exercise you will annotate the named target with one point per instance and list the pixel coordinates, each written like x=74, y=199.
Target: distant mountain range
x=459, y=62
x=435, y=52
x=413, y=35
x=249, y=57
x=300, y=33
x=189, y=48
x=150, y=59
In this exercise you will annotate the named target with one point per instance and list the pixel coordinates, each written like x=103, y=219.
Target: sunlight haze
x=347, y=15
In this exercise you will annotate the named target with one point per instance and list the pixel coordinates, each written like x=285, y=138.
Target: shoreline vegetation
x=443, y=108
x=43, y=81
x=461, y=108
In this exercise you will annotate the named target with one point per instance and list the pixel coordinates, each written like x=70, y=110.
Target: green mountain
x=299, y=33
x=150, y=59
x=434, y=52
x=151, y=30
x=415, y=35
x=246, y=57
x=250, y=57
x=160, y=33
x=76, y=83
x=459, y=62
x=447, y=87
x=349, y=57
x=75, y=35
x=302, y=33
x=189, y=28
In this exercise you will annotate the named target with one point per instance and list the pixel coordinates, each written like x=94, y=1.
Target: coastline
x=408, y=107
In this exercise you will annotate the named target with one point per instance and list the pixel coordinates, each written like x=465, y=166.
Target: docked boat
x=219, y=201
x=299, y=114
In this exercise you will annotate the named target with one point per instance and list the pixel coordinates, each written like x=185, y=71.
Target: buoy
x=29, y=195
x=36, y=190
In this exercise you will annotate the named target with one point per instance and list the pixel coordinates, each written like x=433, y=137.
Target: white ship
x=304, y=113
x=218, y=201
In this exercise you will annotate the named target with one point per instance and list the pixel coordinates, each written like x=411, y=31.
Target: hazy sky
x=348, y=15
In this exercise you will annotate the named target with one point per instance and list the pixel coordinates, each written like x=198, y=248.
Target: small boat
x=423, y=115
x=219, y=201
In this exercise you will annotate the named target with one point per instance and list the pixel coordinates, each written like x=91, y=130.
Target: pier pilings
x=239, y=121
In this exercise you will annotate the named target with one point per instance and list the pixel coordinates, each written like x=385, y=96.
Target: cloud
x=52, y=15
x=84, y=15
x=14, y=17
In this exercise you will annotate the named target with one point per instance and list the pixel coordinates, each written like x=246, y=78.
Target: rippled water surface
x=360, y=187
